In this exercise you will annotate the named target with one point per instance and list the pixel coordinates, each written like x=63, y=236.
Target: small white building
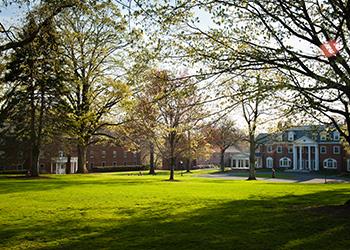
x=239, y=158
x=59, y=164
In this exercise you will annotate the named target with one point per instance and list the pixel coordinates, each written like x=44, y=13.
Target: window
x=269, y=162
x=323, y=150
x=280, y=137
x=336, y=136
x=323, y=136
x=135, y=155
x=233, y=163
x=290, y=150
x=60, y=154
x=103, y=154
x=269, y=149
x=103, y=164
x=336, y=150
x=285, y=162
x=114, y=154
x=330, y=163
x=290, y=136
x=125, y=154
x=279, y=149
x=114, y=164
x=91, y=164
x=348, y=164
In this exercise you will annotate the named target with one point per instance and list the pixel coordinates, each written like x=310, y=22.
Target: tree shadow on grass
x=288, y=222
x=13, y=185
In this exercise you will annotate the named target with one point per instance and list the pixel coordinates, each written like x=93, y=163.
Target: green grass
x=119, y=211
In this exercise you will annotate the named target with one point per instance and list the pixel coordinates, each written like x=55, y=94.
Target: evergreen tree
x=33, y=88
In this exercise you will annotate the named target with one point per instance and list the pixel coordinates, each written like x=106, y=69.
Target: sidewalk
x=298, y=179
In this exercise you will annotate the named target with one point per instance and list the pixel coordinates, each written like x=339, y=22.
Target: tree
x=251, y=108
x=95, y=41
x=172, y=107
x=258, y=98
x=34, y=87
x=47, y=10
x=224, y=135
x=307, y=41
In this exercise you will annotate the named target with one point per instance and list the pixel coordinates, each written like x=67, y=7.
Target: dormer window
x=323, y=136
x=280, y=137
x=290, y=136
x=336, y=136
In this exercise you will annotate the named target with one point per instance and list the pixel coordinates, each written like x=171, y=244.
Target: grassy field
x=118, y=211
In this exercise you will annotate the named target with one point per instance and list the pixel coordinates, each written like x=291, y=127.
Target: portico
x=305, y=155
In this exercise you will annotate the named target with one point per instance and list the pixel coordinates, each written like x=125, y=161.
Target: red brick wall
x=340, y=158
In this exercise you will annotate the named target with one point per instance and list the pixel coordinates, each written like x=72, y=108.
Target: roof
x=312, y=132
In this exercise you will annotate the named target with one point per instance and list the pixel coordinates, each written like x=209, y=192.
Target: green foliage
x=32, y=92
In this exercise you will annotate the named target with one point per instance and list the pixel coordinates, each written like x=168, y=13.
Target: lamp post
x=181, y=166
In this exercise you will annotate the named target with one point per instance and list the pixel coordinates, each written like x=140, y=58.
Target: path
x=297, y=178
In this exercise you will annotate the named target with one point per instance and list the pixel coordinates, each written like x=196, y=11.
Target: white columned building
x=305, y=154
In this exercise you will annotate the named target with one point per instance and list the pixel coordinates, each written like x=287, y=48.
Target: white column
x=317, y=164
x=295, y=157
x=309, y=156
x=301, y=158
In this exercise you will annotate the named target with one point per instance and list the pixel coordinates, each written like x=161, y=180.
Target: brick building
x=306, y=148
x=54, y=156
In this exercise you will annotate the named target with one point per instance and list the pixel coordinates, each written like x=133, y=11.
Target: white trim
x=330, y=160
x=304, y=140
x=269, y=162
x=323, y=136
x=336, y=135
x=282, y=161
x=325, y=150
x=291, y=136
x=334, y=152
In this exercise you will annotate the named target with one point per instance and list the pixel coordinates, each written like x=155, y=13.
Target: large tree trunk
x=34, y=168
x=68, y=164
x=172, y=136
x=188, y=165
x=151, y=159
x=252, y=158
x=82, y=150
x=222, y=160
x=172, y=168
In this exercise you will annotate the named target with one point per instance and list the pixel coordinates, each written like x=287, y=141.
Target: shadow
x=18, y=185
x=287, y=222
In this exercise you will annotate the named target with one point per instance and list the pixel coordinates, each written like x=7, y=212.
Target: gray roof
x=310, y=131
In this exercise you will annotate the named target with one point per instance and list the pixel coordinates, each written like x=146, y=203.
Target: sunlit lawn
x=119, y=211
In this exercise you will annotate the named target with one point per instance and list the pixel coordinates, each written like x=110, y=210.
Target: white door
x=269, y=162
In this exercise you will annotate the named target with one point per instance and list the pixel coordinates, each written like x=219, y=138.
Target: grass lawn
x=118, y=211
